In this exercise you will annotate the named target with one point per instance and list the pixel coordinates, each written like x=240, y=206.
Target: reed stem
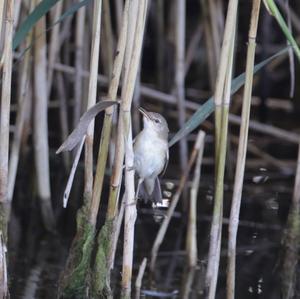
x=78, y=80
x=130, y=207
x=180, y=75
x=242, y=151
x=4, y=144
x=107, y=125
x=92, y=93
x=222, y=99
x=40, y=123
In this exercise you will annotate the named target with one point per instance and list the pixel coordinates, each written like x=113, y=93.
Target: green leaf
x=38, y=13
x=274, y=11
x=73, y=9
x=40, y=10
x=208, y=107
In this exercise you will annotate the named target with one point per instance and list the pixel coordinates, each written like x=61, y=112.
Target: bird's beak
x=144, y=112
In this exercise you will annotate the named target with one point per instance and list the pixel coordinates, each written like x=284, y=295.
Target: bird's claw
x=131, y=204
x=130, y=168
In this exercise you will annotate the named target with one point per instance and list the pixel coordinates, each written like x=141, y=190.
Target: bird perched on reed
x=151, y=155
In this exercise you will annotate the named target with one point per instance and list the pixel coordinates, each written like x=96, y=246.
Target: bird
x=151, y=155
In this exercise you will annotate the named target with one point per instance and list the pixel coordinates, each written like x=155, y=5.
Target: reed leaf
x=40, y=10
x=208, y=107
x=274, y=11
x=38, y=13
x=78, y=133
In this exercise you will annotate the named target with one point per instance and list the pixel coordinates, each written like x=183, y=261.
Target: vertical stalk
x=222, y=99
x=78, y=81
x=119, y=8
x=40, y=120
x=4, y=141
x=160, y=44
x=191, y=239
x=212, y=67
x=2, y=23
x=107, y=125
x=288, y=272
x=138, y=282
x=130, y=208
x=130, y=213
x=216, y=38
x=92, y=93
x=63, y=115
x=23, y=104
x=54, y=44
x=242, y=151
x=105, y=250
x=108, y=44
x=119, y=153
x=180, y=74
x=17, y=10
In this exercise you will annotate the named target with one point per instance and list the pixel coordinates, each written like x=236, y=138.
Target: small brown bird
x=151, y=155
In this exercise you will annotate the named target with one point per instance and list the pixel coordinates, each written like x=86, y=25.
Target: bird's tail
x=155, y=196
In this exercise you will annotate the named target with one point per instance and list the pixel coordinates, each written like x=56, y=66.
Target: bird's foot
x=130, y=168
x=132, y=203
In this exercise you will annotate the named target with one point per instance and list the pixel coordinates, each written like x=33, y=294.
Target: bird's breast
x=149, y=155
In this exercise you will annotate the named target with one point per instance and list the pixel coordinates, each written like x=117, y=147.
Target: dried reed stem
x=63, y=115
x=193, y=47
x=92, y=93
x=191, y=239
x=106, y=243
x=108, y=38
x=54, y=44
x=130, y=216
x=138, y=282
x=106, y=130
x=222, y=99
x=119, y=153
x=160, y=46
x=130, y=207
x=40, y=120
x=180, y=75
x=119, y=9
x=242, y=151
x=78, y=82
x=2, y=27
x=24, y=99
x=291, y=243
x=4, y=141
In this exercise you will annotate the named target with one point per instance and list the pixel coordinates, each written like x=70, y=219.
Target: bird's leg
x=138, y=188
x=140, y=181
x=130, y=168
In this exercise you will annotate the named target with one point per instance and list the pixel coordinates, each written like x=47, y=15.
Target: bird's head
x=155, y=122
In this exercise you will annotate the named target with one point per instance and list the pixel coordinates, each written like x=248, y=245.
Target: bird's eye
x=156, y=121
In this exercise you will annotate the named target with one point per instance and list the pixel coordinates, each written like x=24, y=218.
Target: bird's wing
x=166, y=164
